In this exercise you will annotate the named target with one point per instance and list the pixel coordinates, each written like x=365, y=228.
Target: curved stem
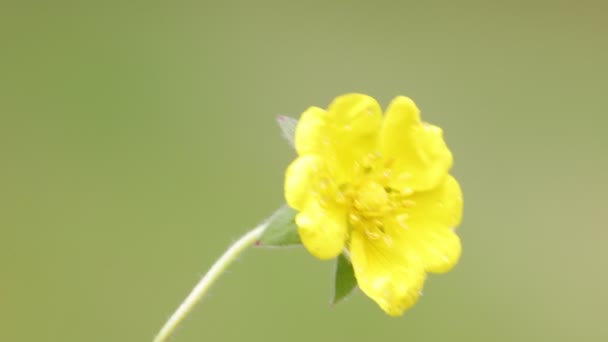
x=205, y=283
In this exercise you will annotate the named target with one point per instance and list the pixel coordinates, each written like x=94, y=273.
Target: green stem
x=205, y=283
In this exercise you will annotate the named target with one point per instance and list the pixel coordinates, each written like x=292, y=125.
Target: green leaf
x=288, y=128
x=345, y=281
x=282, y=230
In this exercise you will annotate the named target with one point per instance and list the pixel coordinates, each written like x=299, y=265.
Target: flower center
x=370, y=199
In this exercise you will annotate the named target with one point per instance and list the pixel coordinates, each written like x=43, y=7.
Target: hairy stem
x=208, y=279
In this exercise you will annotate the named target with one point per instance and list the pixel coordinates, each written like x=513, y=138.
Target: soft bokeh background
x=137, y=140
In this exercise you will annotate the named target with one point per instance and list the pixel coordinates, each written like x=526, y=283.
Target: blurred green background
x=137, y=140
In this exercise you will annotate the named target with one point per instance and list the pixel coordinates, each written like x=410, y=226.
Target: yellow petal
x=357, y=111
x=310, y=132
x=342, y=135
x=438, y=208
x=426, y=229
x=346, y=133
x=322, y=229
x=385, y=273
x=354, y=122
x=421, y=157
x=439, y=250
x=301, y=178
x=436, y=250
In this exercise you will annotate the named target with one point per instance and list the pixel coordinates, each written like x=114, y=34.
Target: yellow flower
x=378, y=187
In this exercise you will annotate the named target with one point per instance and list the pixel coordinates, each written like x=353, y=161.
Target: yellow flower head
x=378, y=187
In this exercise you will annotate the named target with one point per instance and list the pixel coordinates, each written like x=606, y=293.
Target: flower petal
x=355, y=121
x=310, y=132
x=323, y=230
x=385, y=273
x=343, y=135
x=302, y=176
x=438, y=250
x=438, y=208
x=428, y=226
x=418, y=150
x=357, y=111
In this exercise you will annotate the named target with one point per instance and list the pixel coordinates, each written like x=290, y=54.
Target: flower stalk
x=208, y=279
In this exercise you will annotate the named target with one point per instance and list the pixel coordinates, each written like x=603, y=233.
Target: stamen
x=372, y=235
x=387, y=240
x=408, y=203
x=407, y=191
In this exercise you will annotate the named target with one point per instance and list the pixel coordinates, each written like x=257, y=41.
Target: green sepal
x=288, y=128
x=281, y=230
x=344, y=280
